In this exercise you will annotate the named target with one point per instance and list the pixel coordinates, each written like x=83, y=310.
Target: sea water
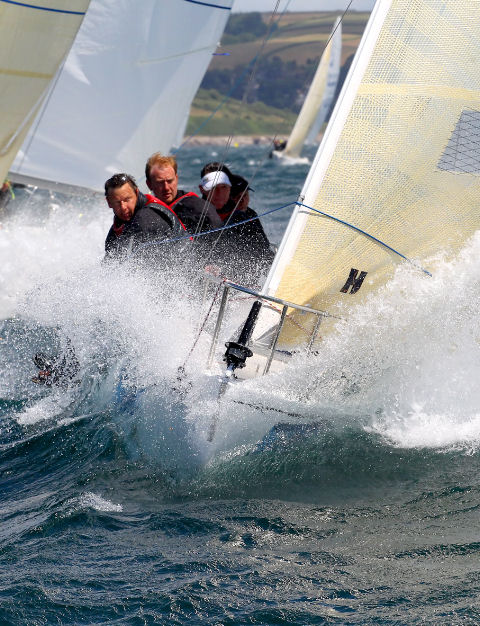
x=115, y=509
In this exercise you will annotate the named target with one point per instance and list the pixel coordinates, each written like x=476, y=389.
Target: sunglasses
x=117, y=180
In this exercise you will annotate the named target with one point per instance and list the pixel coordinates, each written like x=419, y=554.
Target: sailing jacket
x=152, y=220
x=194, y=212
x=250, y=238
x=242, y=252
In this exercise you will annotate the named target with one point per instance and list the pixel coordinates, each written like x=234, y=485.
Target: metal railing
x=228, y=285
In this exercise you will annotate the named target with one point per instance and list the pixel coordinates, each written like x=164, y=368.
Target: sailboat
x=319, y=98
x=123, y=93
x=396, y=180
x=35, y=40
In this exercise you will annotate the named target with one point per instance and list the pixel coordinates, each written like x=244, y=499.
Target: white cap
x=209, y=181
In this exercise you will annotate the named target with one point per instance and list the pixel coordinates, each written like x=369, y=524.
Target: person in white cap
x=215, y=187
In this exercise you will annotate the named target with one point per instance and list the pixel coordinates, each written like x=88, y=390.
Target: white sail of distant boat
x=396, y=177
x=124, y=91
x=35, y=39
x=333, y=73
x=319, y=98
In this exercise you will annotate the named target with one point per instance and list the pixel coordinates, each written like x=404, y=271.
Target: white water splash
x=404, y=366
x=94, y=501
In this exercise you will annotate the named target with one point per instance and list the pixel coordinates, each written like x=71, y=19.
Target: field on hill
x=300, y=37
x=264, y=83
x=236, y=117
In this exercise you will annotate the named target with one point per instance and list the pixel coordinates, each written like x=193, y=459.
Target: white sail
x=331, y=82
x=397, y=175
x=35, y=38
x=319, y=97
x=124, y=90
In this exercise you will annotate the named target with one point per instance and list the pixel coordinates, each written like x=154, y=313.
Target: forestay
x=125, y=90
x=35, y=38
x=400, y=161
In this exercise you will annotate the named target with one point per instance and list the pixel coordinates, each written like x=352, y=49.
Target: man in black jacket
x=243, y=252
x=249, y=237
x=161, y=173
x=138, y=218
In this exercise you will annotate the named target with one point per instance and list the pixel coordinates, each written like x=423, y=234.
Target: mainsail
x=397, y=174
x=320, y=95
x=124, y=91
x=35, y=38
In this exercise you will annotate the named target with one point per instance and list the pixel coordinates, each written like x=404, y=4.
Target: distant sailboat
x=396, y=178
x=35, y=40
x=319, y=98
x=123, y=93
x=331, y=85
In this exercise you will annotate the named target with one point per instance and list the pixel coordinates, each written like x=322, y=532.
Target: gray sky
x=301, y=5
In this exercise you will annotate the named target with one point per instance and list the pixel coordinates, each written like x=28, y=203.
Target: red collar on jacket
x=153, y=200
x=119, y=225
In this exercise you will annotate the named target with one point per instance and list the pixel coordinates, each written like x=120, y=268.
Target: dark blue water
x=116, y=510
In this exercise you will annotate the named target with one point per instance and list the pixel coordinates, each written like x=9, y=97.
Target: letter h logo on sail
x=354, y=281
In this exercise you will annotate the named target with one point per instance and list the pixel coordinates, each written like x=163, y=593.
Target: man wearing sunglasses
x=139, y=219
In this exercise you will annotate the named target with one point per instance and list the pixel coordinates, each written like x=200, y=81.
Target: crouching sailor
x=138, y=219
x=60, y=371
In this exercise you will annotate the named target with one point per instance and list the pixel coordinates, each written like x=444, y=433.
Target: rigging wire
x=267, y=152
x=255, y=61
x=363, y=232
x=253, y=64
x=159, y=242
x=280, y=208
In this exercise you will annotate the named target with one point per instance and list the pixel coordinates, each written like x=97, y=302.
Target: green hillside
x=267, y=78
x=236, y=118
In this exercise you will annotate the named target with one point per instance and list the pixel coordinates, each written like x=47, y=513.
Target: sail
x=124, y=91
x=319, y=98
x=331, y=82
x=397, y=174
x=35, y=38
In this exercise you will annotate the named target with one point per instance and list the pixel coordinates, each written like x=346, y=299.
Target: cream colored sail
x=398, y=172
x=313, y=101
x=35, y=37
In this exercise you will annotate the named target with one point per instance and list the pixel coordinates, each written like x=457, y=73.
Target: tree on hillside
x=278, y=84
x=241, y=23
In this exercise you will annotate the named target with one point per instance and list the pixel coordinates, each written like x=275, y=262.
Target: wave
x=400, y=375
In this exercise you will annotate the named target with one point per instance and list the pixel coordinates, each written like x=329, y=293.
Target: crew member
x=215, y=188
x=248, y=239
x=278, y=146
x=161, y=173
x=138, y=218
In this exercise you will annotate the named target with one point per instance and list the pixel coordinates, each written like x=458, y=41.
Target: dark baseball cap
x=239, y=184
